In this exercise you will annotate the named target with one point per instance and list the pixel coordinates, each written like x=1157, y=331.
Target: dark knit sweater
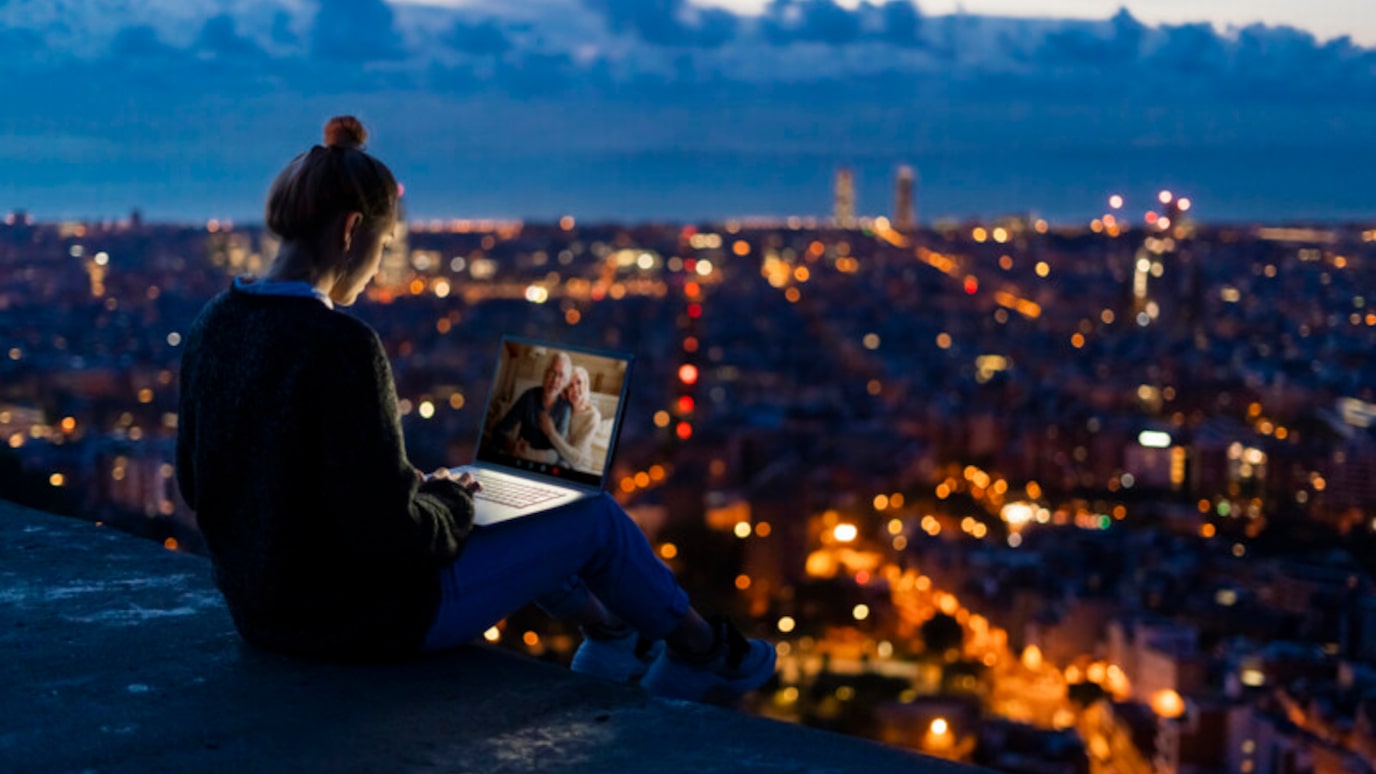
x=324, y=541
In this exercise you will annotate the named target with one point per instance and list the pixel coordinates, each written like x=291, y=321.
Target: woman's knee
x=597, y=516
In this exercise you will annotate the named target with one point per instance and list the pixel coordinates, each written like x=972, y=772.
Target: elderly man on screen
x=523, y=429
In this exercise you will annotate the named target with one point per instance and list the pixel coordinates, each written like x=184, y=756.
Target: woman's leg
x=508, y=565
x=575, y=603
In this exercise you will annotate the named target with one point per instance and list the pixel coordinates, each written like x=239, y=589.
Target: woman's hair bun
x=345, y=132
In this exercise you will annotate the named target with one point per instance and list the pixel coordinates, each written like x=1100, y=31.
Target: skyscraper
x=904, y=205
x=844, y=210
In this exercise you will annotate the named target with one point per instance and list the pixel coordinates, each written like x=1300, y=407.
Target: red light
x=685, y=431
x=691, y=289
x=401, y=190
x=695, y=311
x=685, y=404
x=971, y=285
x=690, y=344
x=688, y=373
x=690, y=265
x=862, y=578
x=1152, y=216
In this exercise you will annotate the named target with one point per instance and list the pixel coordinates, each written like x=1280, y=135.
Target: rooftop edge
x=118, y=655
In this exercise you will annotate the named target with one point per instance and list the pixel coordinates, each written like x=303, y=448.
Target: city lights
x=825, y=412
x=1018, y=514
x=1168, y=704
x=1154, y=439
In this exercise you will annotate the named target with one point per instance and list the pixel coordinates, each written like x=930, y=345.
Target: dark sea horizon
x=1227, y=185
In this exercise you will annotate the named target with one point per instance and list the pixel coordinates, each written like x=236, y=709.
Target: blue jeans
x=549, y=558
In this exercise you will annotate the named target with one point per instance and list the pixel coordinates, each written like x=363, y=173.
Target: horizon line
x=794, y=222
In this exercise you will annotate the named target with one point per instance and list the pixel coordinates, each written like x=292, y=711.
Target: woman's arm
x=373, y=488
x=577, y=448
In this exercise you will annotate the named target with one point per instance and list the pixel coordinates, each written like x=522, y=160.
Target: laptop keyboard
x=516, y=494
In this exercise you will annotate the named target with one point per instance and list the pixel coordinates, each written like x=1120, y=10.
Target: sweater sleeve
x=373, y=484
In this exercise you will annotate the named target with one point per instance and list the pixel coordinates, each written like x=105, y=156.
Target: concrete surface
x=118, y=655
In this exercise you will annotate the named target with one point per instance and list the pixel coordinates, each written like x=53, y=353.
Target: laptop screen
x=554, y=411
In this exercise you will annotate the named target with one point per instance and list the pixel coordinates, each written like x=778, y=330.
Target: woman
x=326, y=542
x=575, y=449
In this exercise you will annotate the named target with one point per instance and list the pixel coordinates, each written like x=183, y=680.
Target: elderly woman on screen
x=575, y=449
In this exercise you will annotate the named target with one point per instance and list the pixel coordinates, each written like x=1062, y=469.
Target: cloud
x=669, y=22
x=1091, y=46
x=220, y=37
x=874, y=66
x=21, y=43
x=668, y=49
x=811, y=21
x=281, y=32
x=139, y=43
x=1189, y=49
x=356, y=31
x=902, y=23
x=482, y=38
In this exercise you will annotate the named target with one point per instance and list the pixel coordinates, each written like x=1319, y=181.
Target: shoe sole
x=730, y=692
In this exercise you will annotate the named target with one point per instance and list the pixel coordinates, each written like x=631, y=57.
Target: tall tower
x=904, y=205
x=844, y=210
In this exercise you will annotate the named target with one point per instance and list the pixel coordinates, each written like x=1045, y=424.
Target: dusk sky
x=637, y=109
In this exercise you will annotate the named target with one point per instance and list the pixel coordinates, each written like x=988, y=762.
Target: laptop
x=522, y=469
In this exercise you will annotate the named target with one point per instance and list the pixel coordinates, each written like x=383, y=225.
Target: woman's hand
x=464, y=479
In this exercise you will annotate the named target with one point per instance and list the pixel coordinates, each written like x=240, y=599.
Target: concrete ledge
x=118, y=655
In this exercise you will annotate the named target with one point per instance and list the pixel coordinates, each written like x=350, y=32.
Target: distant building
x=904, y=202
x=844, y=207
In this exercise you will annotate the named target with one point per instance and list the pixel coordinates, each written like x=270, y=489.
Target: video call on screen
x=552, y=412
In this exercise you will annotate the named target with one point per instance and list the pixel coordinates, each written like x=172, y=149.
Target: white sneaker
x=620, y=659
